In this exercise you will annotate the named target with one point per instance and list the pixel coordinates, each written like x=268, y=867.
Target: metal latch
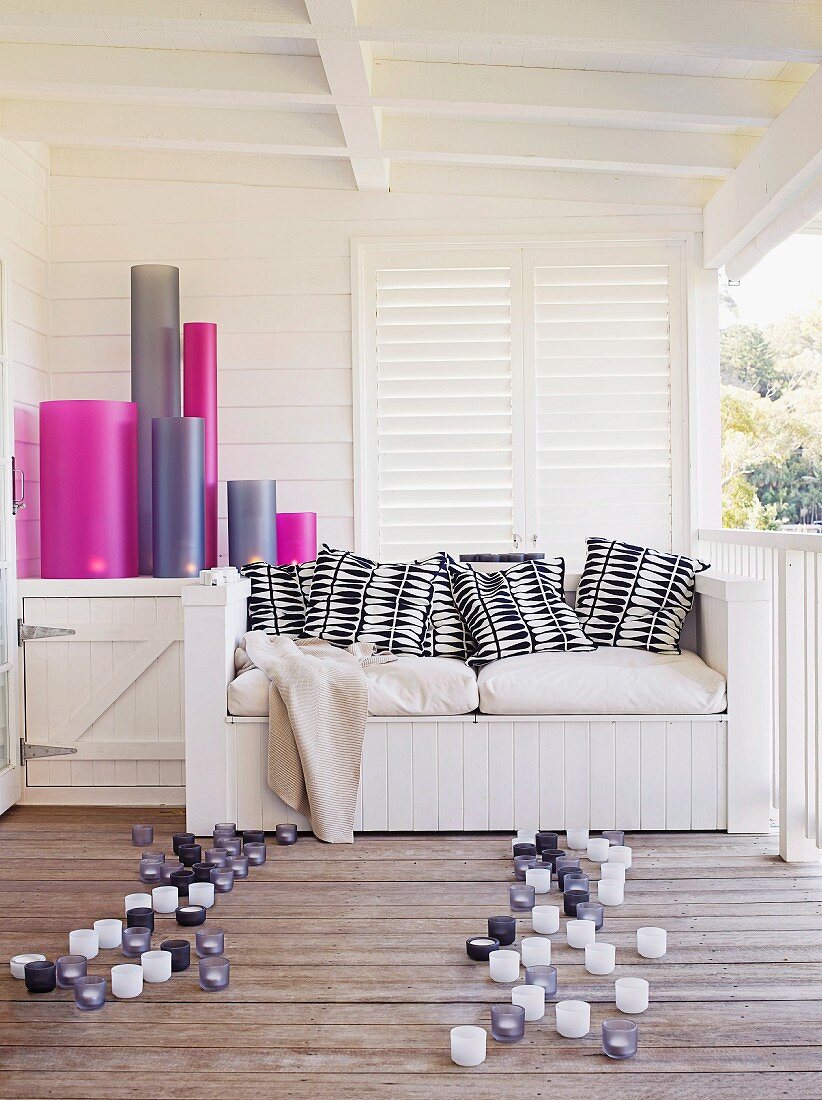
x=38, y=752
x=28, y=633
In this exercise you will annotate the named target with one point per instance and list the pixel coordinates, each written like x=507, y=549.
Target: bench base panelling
x=454, y=774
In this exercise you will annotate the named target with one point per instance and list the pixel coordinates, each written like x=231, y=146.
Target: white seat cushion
x=409, y=686
x=605, y=681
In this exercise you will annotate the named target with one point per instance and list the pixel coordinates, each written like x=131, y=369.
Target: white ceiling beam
x=768, y=30
x=348, y=67
x=273, y=19
x=160, y=76
x=675, y=195
x=186, y=128
x=786, y=161
x=626, y=99
x=542, y=145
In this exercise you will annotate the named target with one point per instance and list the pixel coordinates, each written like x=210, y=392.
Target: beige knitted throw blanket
x=317, y=707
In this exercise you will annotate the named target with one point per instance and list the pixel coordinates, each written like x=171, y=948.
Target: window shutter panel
x=444, y=450
x=601, y=458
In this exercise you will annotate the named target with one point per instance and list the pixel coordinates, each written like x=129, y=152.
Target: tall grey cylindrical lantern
x=252, y=522
x=178, y=497
x=155, y=374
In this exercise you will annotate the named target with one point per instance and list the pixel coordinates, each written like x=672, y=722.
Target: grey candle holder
x=233, y=845
x=591, y=910
x=522, y=864
x=524, y=848
x=167, y=869
x=614, y=836
x=40, y=977
x=507, y=1023
x=151, y=872
x=256, y=854
x=572, y=898
x=153, y=857
x=182, y=880
x=90, y=992
x=239, y=865
x=223, y=879
x=202, y=871
x=546, y=841
x=286, y=833
x=253, y=836
x=218, y=857
x=69, y=968
x=142, y=835
x=546, y=976
x=551, y=855
x=521, y=897
x=214, y=972
x=136, y=940
x=141, y=917
x=189, y=916
x=190, y=854
x=619, y=1038
x=209, y=941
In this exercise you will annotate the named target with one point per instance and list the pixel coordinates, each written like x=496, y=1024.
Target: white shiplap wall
x=24, y=250
x=271, y=265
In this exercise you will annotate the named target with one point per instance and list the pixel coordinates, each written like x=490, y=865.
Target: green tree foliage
x=772, y=423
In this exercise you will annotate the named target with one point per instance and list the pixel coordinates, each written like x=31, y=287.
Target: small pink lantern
x=88, y=489
x=296, y=537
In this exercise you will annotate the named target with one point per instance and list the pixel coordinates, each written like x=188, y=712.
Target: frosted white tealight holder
x=598, y=848
x=127, y=980
x=532, y=999
x=573, y=1019
x=610, y=891
x=84, y=941
x=156, y=966
x=468, y=1045
x=651, y=943
x=17, y=963
x=504, y=966
x=615, y=871
x=201, y=893
x=580, y=933
x=545, y=919
x=631, y=994
x=535, y=951
x=165, y=899
x=539, y=878
x=138, y=901
x=620, y=853
x=600, y=958
x=577, y=839
x=109, y=932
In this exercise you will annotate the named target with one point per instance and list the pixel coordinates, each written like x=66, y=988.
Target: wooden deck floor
x=348, y=969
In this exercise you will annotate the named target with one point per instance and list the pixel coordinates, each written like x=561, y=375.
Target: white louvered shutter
x=443, y=451
x=600, y=394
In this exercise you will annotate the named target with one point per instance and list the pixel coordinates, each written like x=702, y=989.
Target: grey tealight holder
x=136, y=940
x=619, y=1038
x=209, y=941
x=180, y=951
x=522, y=864
x=231, y=844
x=239, y=865
x=563, y=865
x=256, y=854
x=190, y=854
x=591, y=910
x=521, y=897
x=524, y=849
x=218, y=857
x=151, y=872
x=90, y=992
x=614, y=836
x=546, y=976
x=551, y=855
x=182, y=880
x=214, y=972
x=507, y=1023
x=286, y=833
x=546, y=841
x=223, y=879
x=69, y=968
x=182, y=838
x=141, y=917
x=142, y=835
x=167, y=869
x=202, y=871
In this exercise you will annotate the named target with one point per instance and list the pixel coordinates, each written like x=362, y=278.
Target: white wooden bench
x=493, y=772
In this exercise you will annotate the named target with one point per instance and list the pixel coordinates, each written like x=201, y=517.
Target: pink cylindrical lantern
x=88, y=489
x=200, y=399
x=296, y=537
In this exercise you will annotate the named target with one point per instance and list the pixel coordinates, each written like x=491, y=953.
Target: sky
x=786, y=281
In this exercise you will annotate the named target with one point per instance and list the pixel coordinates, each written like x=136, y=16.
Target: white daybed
x=609, y=739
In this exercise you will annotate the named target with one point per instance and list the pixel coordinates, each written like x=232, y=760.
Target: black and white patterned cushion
x=354, y=599
x=279, y=597
x=635, y=597
x=516, y=611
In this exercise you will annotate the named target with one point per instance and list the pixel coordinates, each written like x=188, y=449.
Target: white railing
x=792, y=564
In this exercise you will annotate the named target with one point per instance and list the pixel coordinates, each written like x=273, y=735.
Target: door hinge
x=28, y=633
x=38, y=752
